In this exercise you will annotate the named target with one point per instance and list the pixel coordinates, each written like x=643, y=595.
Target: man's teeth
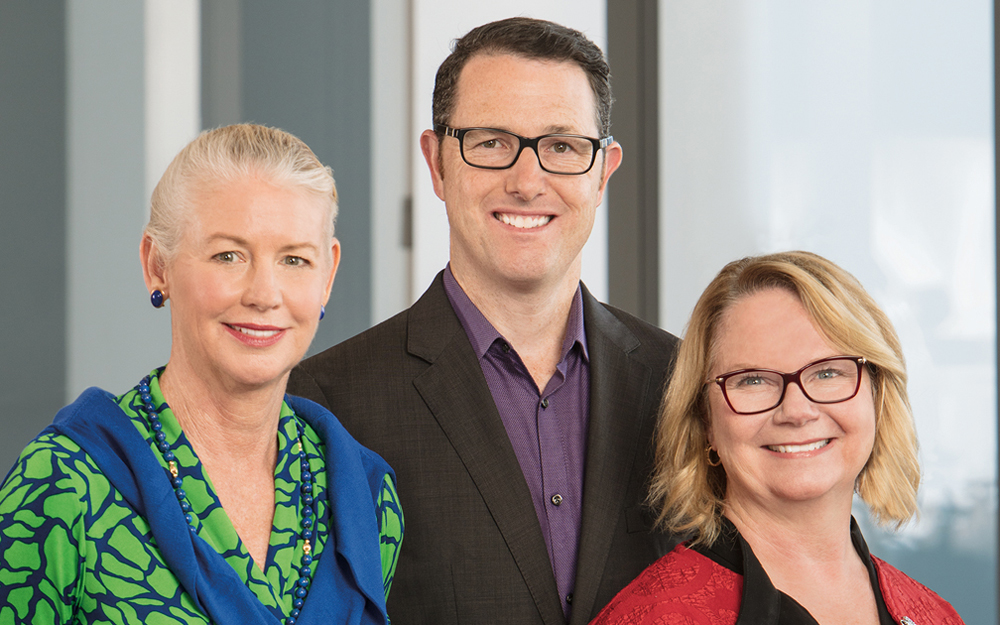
x=791, y=449
x=260, y=334
x=520, y=221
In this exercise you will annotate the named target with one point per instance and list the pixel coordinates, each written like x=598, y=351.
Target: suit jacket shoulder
x=649, y=343
x=349, y=373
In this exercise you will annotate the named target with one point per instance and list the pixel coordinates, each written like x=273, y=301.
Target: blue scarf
x=347, y=579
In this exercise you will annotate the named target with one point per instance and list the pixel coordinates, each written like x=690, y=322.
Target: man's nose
x=526, y=177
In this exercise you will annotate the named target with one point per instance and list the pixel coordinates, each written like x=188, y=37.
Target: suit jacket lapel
x=618, y=389
x=457, y=394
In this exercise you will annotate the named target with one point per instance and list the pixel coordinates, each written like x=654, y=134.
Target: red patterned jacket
x=708, y=587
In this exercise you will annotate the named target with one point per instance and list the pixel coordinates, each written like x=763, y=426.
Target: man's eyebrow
x=555, y=129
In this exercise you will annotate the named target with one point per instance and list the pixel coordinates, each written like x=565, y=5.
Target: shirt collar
x=482, y=334
x=761, y=602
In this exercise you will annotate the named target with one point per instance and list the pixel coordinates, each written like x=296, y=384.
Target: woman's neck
x=234, y=432
x=807, y=551
x=225, y=425
x=811, y=532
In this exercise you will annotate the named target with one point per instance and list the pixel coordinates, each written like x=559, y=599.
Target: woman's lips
x=799, y=448
x=255, y=335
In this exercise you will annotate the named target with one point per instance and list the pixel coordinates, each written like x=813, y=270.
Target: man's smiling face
x=521, y=226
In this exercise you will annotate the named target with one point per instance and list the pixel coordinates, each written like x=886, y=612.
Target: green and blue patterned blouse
x=73, y=551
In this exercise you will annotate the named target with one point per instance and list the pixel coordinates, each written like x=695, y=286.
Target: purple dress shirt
x=547, y=429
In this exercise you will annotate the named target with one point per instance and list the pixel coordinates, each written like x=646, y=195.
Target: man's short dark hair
x=531, y=39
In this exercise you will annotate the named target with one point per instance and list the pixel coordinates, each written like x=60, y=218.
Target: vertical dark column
x=32, y=220
x=633, y=195
x=221, y=54
x=304, y=67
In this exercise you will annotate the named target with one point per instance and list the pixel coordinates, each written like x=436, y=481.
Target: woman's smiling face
x=799, y=451
x=254, y=264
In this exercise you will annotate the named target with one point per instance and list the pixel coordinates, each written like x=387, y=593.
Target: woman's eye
x=750, y=381
x=226, y=257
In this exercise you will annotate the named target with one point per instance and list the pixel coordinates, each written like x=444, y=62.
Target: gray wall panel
x=114, y=336
x=32, y=220
x=304, y=67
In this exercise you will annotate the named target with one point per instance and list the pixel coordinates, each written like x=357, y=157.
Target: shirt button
x=569, y=598
x=556, y=499
x=545, y=403
x=504, y=347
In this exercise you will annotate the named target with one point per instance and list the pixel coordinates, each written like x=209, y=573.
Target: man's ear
x=611, y=162
x=430, y=145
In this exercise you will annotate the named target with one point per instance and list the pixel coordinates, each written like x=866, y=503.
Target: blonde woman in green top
x=206, y=494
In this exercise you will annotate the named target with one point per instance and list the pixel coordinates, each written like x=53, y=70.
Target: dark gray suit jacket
x=411, y=389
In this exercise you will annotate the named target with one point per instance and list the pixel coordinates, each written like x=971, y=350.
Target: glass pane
x=863, y=131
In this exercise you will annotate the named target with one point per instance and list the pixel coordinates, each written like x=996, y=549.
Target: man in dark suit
x=517, y=410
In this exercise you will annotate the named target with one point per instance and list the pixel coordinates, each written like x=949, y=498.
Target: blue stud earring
x=156, y=298
x=322, y=312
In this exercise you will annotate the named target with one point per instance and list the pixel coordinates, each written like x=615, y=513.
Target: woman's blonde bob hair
x=229, y=154
x=686, y=491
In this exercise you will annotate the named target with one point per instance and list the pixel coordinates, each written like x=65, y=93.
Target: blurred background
x=863, y=130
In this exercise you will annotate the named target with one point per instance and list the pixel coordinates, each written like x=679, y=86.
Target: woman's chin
x=801, y=489
x=807, y=491
x=249, y=374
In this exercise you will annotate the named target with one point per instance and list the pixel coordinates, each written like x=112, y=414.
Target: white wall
x=436, y=23
x=392, y=167
x=173, y=81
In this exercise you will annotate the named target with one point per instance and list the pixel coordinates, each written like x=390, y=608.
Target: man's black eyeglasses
x=490, y=148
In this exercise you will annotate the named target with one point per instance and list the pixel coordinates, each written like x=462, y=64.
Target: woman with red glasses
x=788, y=397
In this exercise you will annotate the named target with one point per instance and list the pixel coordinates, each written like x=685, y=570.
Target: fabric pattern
x=682, y=587
x=72, y=550
x=687, y=587
x=390, y=532
x=906, y=597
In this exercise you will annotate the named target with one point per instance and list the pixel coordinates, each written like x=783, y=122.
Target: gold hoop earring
x=708, y=454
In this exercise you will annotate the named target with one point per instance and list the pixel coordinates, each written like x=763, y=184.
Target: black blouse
x=762, y=603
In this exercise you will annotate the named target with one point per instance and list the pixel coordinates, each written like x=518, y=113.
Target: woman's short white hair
x=229, y=154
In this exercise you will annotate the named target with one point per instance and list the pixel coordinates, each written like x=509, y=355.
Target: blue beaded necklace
x=305, y=489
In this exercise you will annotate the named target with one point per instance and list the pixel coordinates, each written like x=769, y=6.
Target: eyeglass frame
x=788, y=378
x=522, y=143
